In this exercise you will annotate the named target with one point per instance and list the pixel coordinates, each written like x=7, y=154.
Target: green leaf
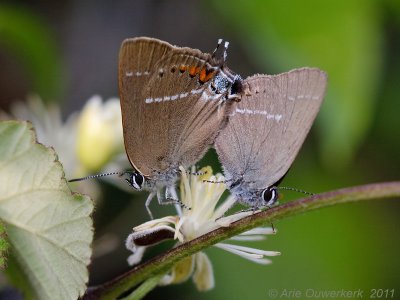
x=340, y=37
x=3, y=246
x=49, y=228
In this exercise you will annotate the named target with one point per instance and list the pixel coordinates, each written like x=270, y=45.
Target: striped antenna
x=176, y=201
x=196, y=173
x=222, y=181
x=96, y=176
x=295, y=190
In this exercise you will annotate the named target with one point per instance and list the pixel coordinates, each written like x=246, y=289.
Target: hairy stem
x=163, y=262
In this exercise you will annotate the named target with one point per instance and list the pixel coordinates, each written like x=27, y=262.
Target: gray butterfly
x=266, y=130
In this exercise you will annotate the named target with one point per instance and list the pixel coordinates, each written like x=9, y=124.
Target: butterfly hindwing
x=270, y=123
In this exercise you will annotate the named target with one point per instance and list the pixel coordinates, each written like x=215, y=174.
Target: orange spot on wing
x=194, y=70
x=206, y=75
x=210, y=74
x=203, y=75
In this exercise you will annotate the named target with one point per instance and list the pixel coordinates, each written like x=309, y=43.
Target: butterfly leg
x=253, y=209
x=167, y=199
x=148, y=201
x=170, y=198
x=170, y=193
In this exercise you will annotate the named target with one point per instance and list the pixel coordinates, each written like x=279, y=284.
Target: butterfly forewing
x=269, y=125
x=137, y=58
x=193, y=119
x=169, y=121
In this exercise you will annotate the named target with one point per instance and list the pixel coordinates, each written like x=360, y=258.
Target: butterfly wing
x=269, y=125
x=137, y=58
x=169, y=117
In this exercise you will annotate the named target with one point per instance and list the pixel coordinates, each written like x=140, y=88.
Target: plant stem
x=144, y=288
x=162, y=263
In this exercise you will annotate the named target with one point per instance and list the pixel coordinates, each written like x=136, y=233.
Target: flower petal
x=254, y=255
x=260, y=261
x=203, y=276
x=149, y=237
x=260, y=230
x=251, y=250
x=224, y=207
x=137, y=256
x=248, y=238
x=180, y=272
x=226, y=221
x=229, y=248
x=178, y=233
x=157, y=222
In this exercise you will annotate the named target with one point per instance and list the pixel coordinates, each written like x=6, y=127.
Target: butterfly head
x=136, y=180
x=269, y=196
x=228, y=83
x=248, y=194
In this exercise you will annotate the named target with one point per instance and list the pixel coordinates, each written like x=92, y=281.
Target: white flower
x=50, y=129
x=85, y=142
x=203, y=216
x=99, y=135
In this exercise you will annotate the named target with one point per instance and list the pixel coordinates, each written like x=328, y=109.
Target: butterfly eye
x=237, y=86
x=136, y=181
x=269, y=195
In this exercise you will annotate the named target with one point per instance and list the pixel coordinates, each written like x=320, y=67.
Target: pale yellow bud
x=99, y=133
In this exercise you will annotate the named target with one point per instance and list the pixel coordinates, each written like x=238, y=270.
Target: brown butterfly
x=174, y=101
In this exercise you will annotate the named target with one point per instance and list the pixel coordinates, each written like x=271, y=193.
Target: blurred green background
x=66, y=51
